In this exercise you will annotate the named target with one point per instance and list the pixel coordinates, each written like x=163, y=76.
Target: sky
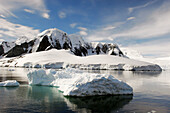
x=142, y=25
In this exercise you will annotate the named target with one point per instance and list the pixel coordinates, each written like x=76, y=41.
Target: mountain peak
x=50, y=32
x=55, y=38
x=23, y=39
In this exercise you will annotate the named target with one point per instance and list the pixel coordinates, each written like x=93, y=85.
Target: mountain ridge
x=55, y=38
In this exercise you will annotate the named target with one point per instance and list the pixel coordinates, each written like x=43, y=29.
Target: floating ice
x=74, y=82
x=9, y=83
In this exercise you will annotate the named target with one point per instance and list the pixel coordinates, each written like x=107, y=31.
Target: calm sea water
x=151, y=94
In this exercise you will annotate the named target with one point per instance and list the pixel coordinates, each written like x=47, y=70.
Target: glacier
x=74, y=82
x=64, y=58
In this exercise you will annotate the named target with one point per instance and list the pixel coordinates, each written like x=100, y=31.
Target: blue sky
x=143, y=25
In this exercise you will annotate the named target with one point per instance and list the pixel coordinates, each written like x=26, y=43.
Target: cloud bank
x=150, y=25
x=8, y=7
x=8, y=29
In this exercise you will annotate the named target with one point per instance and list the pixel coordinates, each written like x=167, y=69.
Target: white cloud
x=1, y=40
x=153, y=24
x=131, y=18
x=156, y=48
x=82, y=28
x=156, y=24
x=94, y=38
x=45, y=15
x=104, y=32
x=2, y=16
x=131, y=9
x=83, y=33
x=8, y=7
x=29, y=11
x=62, y=14
x=109, y=28
x=73, y=25
x=99, y=35
x=8, y=29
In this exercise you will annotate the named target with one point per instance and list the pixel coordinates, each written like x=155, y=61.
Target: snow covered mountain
x=6, y=46
x=55, y=38
x=98, y=55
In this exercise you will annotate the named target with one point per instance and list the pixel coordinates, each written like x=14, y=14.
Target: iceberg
x=9, y=83
x=73, y=82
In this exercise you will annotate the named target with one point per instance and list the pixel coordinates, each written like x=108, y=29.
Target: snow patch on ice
x=74, y=82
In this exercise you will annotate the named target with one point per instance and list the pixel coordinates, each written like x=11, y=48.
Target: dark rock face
x=44, y=44
x=58, y=46
x=16, y=51
x=98, y=50
x=104, y=48
x=81, y=51
x=19, y=49
x=1, y=50
x=77, y=52
x=5, y=46
x=121, y=53
x=66, y=46
x=84, y=50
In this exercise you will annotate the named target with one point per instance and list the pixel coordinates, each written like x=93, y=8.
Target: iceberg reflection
x=98, y=103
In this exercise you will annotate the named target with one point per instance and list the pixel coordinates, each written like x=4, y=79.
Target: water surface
x=151, y=94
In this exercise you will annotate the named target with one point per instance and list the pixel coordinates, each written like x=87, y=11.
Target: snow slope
x=73, y=82
x=164, y=62
x=23, y=39
x=133, y=54
x=64, y=58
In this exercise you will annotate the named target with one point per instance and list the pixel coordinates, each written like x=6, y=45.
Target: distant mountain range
x=54, y=48
x=55, y=38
